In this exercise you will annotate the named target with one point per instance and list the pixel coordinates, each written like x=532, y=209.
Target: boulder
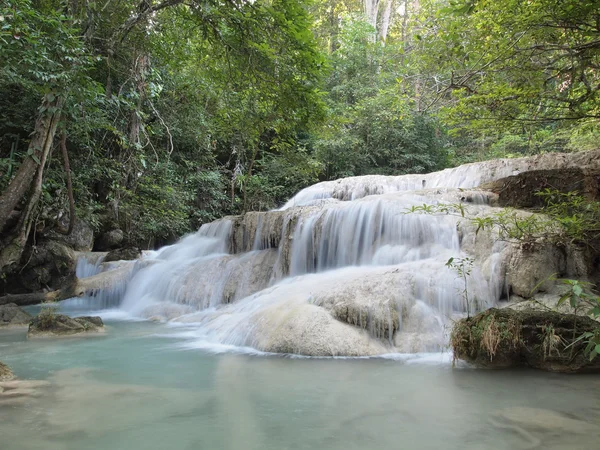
x=123, y=254
x=48, y=324
x=50, y=264
x=80, y=239
x=5, y=373
x=109, y=241
x=502, y=338
x=520, y=191
x=532, y=267
x=13, y=316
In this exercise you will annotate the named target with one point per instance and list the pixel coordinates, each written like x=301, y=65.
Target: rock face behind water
x=502, y=338
x=123, y=254
x=520, y=191
x=108, y=241
x=80, y=239
x=54, y=325
x=13, y=316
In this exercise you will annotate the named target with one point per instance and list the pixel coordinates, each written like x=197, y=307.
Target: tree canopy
x=169, y=114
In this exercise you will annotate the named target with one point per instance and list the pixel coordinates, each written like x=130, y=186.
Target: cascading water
x=341, y=269
x=90, y=264
x=349, y=272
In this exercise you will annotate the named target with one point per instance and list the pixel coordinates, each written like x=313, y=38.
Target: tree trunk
x=39, y=146
x=386, y=20
x=67, y=166
x=140, y=68
x=334, y=29
x=250, y=167
x=13, y=247
x=371, y=11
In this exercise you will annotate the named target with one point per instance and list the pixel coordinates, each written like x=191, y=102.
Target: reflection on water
x=133, y=389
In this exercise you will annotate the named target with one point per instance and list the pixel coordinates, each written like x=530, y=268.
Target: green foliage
x=178, y=115
x=370, y=129
x=580, y=298
x=463, y=268
x=566, y=218
x=163, y=115
x=523, y=73
x=47, y=315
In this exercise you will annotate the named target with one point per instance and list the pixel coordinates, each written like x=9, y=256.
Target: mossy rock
x=502, y=338
x=49, y=325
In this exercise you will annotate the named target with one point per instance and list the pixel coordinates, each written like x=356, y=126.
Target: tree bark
x=70, y=291
x=386, y=20
x=39, y=146
x=12, y=250
x=67, y=166
x=371, y=11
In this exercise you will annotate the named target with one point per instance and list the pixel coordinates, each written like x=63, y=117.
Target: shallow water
x=143, y=386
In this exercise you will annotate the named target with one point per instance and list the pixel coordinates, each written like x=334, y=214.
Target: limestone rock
x=5, y=373
x=256, y=231
x=108, y=241
x=50, y=264
x=13, y=316
x=531, y=267
x=519, y=191
x=465, y=176
x=81, y=238
x=49, y=325
x=123, y=254
x=501, y=338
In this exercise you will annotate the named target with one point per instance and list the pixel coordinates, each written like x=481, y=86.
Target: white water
x=88, y=265
x=352, y=275
x=353, y=188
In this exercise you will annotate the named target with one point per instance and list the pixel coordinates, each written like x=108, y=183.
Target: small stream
x=146, y=386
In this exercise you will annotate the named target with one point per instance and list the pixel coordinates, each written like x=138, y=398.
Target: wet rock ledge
x=503, y=338
x=56, y=325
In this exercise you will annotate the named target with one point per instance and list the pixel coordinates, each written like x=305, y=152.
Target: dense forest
x=155, y=116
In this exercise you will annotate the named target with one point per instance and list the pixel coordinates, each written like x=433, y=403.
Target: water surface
x=148, y=386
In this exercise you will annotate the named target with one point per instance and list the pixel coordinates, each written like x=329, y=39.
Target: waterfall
x=89, y=264
x=342, y=269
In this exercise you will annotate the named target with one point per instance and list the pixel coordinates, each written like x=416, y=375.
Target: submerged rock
x=537, y=419
x=50, y=325
x=5, y=373
x=502, y=338
x=13, y=316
